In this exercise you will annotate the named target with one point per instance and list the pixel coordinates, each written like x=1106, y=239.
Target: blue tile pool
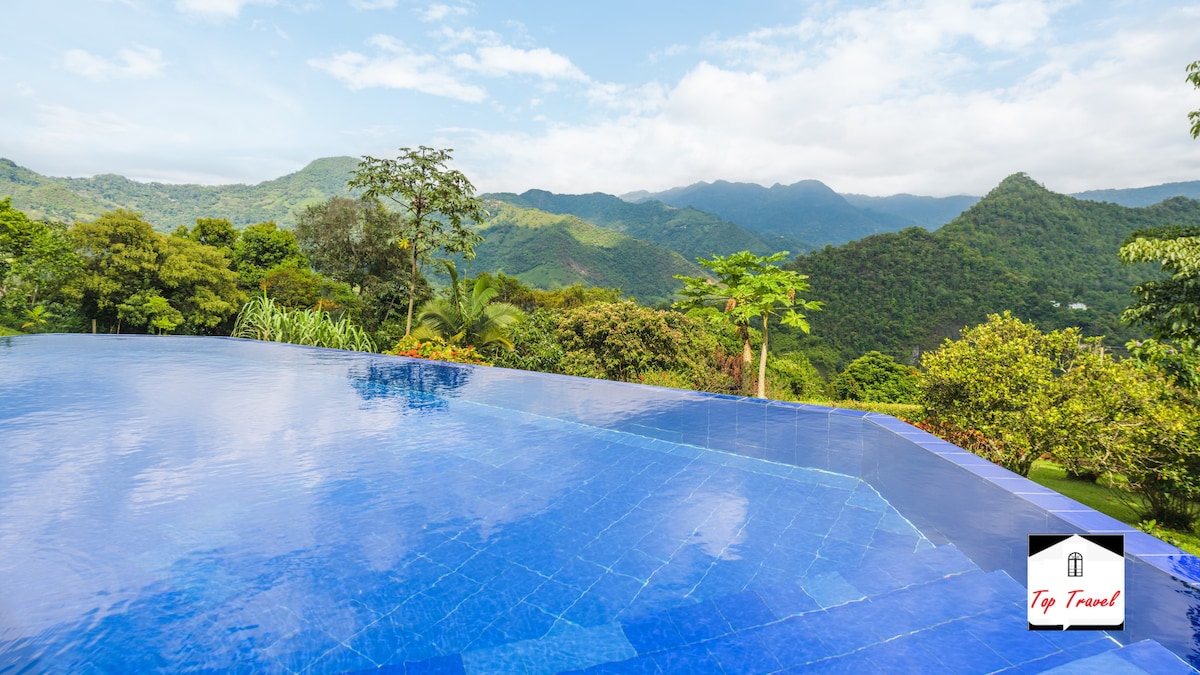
x=182, y=504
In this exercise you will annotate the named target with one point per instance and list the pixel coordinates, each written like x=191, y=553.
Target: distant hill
x=688, y=231
x=166, y=206
x=807, y=211
x=1144, y=196
x=548, y=250
x=927, y=212
x=1048, y=257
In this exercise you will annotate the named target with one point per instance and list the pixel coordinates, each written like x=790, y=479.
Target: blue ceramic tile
x=483, y=520
x=744, y=610
x=830, y=589
x=699, y=622
x=1108, y=663
x=742, y=653
x=689, y=659
x=1153, y=658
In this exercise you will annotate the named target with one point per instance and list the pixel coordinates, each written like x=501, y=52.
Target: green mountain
x=167, y=206
x=927, y=212
x=1144, y=196
x=807, y=211
x=548, y=250
x=692, y=233
x=1049, y=258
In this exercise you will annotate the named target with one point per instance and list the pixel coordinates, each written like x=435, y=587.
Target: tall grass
x=262, y=319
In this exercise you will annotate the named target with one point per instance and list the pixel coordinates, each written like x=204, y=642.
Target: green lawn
x=1103, y=500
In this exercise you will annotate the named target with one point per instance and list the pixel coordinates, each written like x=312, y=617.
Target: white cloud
x=136, y=63
x=876, y=101
x=439, y=12
x=397, y=67
x=373, y=4
x=217, y=9
x=503, y=60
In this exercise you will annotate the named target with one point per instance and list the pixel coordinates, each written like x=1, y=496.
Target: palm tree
x=37, y=318
x=468, y=318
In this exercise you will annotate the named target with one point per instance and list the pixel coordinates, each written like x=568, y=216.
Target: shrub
x=262, y=319
x=877, y=377
x=436, y=349
x=621, y=340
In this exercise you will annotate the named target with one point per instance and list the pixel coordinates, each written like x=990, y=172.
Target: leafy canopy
x=751, y=288
x=434, y=203
x=1169, y=306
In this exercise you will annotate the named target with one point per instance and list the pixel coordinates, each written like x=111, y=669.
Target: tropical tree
x=468, y=317
x=37, y=264
x=354, y=241
x=751, y=289
x=875, y=376
x=136, y=277
x=1004, y=380
x=1193, y=71
x=434, y=203
x=1169, y=306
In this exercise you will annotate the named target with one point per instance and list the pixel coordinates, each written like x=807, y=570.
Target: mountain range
x=893, y=274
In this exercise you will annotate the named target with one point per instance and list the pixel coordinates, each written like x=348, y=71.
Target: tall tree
x=434, y=203
x=752, y=289
x=37, y=263
x=353, y=241
x=134, y=276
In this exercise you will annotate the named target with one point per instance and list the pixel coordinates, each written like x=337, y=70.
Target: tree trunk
x=747, y=357
x=762, y=363
x=412, y=290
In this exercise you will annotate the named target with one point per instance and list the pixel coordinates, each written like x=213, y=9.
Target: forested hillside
x=1047, y=257
x=168, y=206
x=550, y=251
x=690, y=232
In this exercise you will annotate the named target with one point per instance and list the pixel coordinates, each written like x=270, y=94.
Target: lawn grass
x=1102, y=499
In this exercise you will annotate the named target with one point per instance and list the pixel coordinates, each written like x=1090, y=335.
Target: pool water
x=214, y=504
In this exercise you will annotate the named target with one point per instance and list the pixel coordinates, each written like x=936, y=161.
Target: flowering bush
x=436, y=350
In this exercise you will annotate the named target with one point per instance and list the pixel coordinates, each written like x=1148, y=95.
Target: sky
x=931, y=97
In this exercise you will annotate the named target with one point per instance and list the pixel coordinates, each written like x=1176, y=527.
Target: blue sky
x=925, y=96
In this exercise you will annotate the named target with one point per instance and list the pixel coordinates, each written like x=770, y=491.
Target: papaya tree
x=752, y=290
x=435, y=202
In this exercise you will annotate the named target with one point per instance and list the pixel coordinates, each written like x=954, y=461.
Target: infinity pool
x=181, y=504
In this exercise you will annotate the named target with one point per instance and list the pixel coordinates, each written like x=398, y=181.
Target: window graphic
x=1075, y=565
x=1060, y=597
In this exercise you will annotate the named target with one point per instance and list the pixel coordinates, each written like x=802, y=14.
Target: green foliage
x=354, y=241
x=434, y=203
x=1021, y=249
x=751, y=288
x=37, y=266
x=136, y=277
x=1169, y=306
x=170, y=206
x=1125, y=418
x=555, y=251
x=877, y=377
x=262, y=319
x=794, y=376
x=1003, y=379
x=1193, y=76
x=535, y=345
x=511, y=290
x=261, y=247
x=622, y=341
x=468, y=318
x=690, y=233
x=436, y=349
